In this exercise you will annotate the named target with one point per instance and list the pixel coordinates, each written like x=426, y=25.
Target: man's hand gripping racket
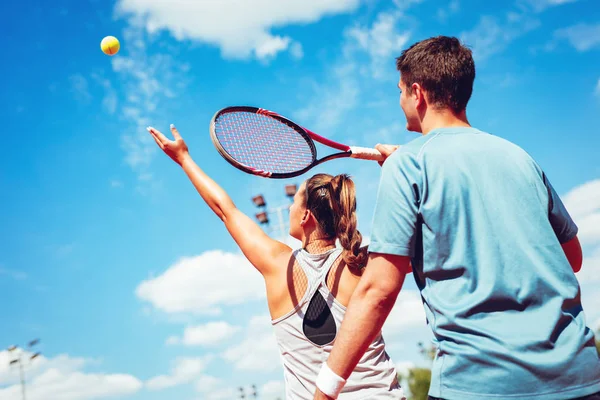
x=264, y=143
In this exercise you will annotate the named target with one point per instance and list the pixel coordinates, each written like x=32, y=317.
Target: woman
x=307, y=289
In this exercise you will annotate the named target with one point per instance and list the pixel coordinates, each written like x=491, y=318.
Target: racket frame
x=309, y=136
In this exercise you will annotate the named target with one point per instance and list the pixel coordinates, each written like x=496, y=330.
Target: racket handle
x=366, y=153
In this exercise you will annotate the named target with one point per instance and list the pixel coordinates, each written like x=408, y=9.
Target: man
x=493, y=252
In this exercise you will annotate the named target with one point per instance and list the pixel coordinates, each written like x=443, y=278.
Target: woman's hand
x=266, y=254
x=176, y=149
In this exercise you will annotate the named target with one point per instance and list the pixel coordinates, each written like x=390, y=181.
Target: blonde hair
x=332, y=201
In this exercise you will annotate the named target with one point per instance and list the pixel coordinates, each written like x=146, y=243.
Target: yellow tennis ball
x=110, y=45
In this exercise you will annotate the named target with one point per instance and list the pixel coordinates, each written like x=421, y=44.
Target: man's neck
x=435, y=119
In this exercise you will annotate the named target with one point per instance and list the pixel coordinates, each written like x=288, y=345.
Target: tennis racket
x=264, y=143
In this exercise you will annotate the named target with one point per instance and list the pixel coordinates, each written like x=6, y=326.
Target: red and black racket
x=264, y=143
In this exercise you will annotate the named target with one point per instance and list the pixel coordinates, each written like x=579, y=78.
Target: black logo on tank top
x=318, y=324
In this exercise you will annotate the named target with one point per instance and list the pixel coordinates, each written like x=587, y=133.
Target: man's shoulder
x=409, y=150
x=415, y=145
x=421, y=143
x=444, y=139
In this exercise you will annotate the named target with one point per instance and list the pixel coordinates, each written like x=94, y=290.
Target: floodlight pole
x=19, y=360
x=22, y=376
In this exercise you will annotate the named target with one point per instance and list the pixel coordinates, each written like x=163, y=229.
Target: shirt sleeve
x=397, y=207
x=562, y=223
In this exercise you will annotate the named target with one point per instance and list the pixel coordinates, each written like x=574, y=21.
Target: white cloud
x=404, y=367
x=583, y=199
x=62, y=378
x=208, y=334
x=583, y=204
x=490, y=36
x=392, y=133
x=203, y=283
x=258, y=350
x=403, y=5
x=296, y=50
x=273, y=390
x=13, y=274
x=189, y=371
x=184, y=370
x=269, y=47
x=590, y=270
x=332, y=100
x=589, y=229
x=115, y=183
x=582, y=37
x=215, y=389
x=110, y=100
x=65, y=249
x=221, y=394
x=590, y=298
x=407, y=314
x=382, y=42
x=173, y=340
x=405, y=327
x=240, y=29
x=40, y=364
x=207, y=383
x=444, y=13
x=541, y=5
x=80, y=88
x=149, y=84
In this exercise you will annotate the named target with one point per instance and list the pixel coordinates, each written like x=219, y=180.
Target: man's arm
x=564, y=227
x=392, y=244
x=368, y=309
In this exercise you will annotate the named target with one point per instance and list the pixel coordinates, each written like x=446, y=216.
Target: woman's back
x=305, y=333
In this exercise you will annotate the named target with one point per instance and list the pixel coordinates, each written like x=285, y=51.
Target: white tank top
x=305, y=337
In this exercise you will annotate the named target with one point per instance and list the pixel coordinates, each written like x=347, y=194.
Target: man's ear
x=418, y=94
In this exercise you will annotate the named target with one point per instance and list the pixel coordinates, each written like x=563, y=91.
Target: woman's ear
x=305, y=217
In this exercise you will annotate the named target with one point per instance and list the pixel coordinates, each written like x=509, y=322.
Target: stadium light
x=262, y=217
x=290, y=190
x=259, y=201
x=279, y=228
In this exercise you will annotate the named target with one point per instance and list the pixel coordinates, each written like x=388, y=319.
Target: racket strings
x=262, y=142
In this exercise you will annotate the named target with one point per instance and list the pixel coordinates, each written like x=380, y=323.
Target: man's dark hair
x=443, y=67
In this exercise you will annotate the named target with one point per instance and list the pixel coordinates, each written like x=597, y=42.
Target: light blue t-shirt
x=484, y=228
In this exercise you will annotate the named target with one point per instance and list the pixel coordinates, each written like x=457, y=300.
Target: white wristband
x=329, y=383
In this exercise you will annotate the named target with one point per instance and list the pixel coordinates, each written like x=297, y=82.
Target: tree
x=418, y=383
x=419, y=378
x=598, y=342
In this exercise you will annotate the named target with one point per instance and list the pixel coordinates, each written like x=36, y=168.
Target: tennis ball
x=110, y=45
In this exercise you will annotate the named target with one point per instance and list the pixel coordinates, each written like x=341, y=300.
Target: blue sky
x=108, y=254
